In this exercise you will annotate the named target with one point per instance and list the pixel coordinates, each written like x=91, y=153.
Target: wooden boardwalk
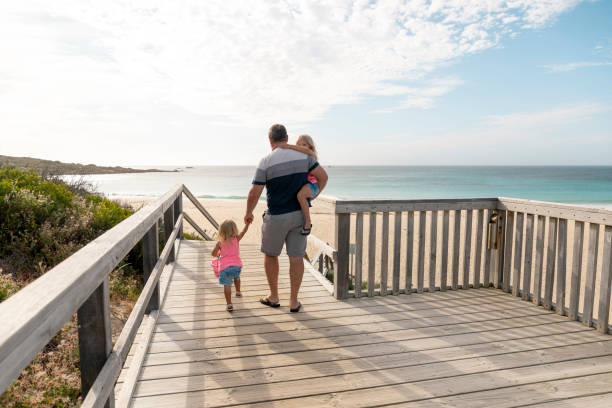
x=466, y=348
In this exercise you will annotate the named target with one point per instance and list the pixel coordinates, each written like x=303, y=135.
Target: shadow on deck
x=467, y=348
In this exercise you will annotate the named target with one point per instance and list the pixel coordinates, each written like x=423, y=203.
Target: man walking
x=283, y=172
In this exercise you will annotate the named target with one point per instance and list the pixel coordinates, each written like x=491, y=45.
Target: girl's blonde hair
x=311, y=145
x=227, y=230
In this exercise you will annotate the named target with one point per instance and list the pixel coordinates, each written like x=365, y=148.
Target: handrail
x=357, y=206
x=46, y=304
x=80, y=283
x=200, y=207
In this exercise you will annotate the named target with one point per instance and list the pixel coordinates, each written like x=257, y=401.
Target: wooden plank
x=397, y=245
x=150, y=255
x=432, y=251
x=528, y=241
x=591, y=272
x=490, y=255
x=606, y=281
x=579, y=236
x=501, y=238
x=95, y=343
x=168, y=227
x=561, y=264
x=358, y=252
x=197, y=227
x=372, y=255
x=200, y=207
x=456, y=248
x=551, y=257
x=384, y=258
x=480, y=223
x=510, y=233
x=421, y=260
x=445, y=252
x=354, y=206
x=32, y=316
x=409, y=250
x=341, y=273
x=517, y=254
x=467, y=249
x=556, y=210
x=540, y=231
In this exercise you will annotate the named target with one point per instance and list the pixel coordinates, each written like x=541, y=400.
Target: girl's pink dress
x=229, y=256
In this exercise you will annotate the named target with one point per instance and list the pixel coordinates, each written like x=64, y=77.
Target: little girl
x=230, y=265
x=310, y=190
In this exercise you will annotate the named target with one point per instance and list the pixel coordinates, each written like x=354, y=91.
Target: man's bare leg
x=296, y=273
x=271, y=267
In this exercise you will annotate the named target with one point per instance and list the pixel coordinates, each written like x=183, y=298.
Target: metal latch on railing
x=494, y=231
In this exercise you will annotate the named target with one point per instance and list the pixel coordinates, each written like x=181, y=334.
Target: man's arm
x=252, y=199
x=321, y=175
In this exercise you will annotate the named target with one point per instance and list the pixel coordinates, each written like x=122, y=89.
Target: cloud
x=558, y=116
x=76, y=66
x=575, y=65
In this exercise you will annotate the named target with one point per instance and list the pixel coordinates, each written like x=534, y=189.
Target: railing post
x=341, y=272
x=150, y=255
x=95, y=342
x=178, y=210
x=168, y=227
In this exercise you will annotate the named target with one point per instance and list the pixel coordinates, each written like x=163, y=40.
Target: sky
x=395, y=82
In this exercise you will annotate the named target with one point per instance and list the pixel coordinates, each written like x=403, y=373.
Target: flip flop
x=230, y=308
x=268, y=302
x=238, y=293
x=306, y=231
x=296, y=309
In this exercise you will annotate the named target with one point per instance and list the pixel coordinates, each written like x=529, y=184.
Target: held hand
x=248, y=218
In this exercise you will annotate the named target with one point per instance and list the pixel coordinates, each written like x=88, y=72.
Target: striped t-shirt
x=284, y=172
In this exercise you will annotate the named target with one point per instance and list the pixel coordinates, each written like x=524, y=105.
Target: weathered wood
x=197, y=227
x=538, y=267
x=510, y=233
x=397, y=245
x=605, y=282
x=579, y=234
x=384, y=258
x=433, y=241
x=456, y=248
x=102, y=388
x=480, y=222
x=529, y=242
x=551, y=258
x=372, y=255
x=168, y=227
x=556, y=210
x=591, y=272
x=95, y=343
x=499, y=262
x=200, y=207
x=46, y=304
x=341, y=272
x=561, y=265
x=409, y=250
x=178, y=210
x=490, y=254
x=517, y=254
x=150, y=255
x=320, y=245
x=467, y=249
x=421, y=260
x=445, y=254
x=358, y=252
x=355, y=206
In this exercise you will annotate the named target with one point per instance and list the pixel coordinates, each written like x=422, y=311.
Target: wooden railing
x=555, y=255
x=80, y=284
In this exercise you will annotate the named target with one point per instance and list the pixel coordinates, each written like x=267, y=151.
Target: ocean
x=591, y=185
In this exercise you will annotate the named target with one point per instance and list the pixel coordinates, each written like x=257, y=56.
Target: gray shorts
x=283, y=229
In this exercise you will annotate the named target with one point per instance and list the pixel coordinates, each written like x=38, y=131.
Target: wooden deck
x=465, y=348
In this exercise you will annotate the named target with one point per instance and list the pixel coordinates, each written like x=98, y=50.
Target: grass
x=44, y=221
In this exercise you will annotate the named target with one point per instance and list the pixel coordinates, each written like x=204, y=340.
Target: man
x=283, y=172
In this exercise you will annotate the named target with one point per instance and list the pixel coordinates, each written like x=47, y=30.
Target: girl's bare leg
x=302, y=197
x=227, y=291
x=237, y=284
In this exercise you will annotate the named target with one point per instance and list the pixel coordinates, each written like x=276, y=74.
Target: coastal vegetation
x=44, y=221
x=54, y=167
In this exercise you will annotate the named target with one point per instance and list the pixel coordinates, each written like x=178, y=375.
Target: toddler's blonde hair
x=227, y=230
x=311, y=145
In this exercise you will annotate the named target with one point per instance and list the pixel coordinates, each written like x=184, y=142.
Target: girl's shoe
x=230, y=308
x=238, y=293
